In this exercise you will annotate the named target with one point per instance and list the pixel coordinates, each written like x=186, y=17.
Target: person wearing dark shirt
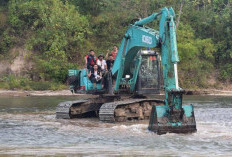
x=110, y=62
x=90, y=60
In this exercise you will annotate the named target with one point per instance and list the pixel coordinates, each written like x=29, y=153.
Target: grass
x=13, y=83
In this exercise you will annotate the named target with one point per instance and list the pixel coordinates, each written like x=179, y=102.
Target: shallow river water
x=28, y=127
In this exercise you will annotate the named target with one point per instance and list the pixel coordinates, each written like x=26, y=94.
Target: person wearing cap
x=102, y=63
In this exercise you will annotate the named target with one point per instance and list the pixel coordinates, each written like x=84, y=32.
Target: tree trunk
x=180, y=12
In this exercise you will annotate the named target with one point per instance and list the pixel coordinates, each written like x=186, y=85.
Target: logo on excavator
x=147, y=39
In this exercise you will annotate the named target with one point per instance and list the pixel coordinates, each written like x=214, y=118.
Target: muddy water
x=28, y=127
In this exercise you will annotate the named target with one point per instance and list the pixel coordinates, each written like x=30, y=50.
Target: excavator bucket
x=164, y=119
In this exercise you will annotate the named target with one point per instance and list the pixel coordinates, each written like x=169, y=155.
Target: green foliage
x=91, y=7
x=213, y=21
x=103, y=26
x=5, y=42
x=226, y=72
x=45, y=85
x=54, y=69
x=57, y=32
x=196, y=58
x=12, y=82
x=60, y=33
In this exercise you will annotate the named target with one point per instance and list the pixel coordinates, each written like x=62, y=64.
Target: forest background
x=41, y=39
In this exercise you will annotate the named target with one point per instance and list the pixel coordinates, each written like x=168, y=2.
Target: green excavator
x=134, y=78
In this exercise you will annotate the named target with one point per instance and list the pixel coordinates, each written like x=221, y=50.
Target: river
x=28, y=127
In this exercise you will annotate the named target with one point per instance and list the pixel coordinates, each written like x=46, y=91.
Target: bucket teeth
x=184, y=129
x=162, y=121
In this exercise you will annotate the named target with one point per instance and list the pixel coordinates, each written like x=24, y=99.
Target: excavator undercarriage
x=108, y=108
x=113, y=109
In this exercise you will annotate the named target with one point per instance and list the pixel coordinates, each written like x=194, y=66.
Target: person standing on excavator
x=114, y=52
x=110, y=62
x=90, y=60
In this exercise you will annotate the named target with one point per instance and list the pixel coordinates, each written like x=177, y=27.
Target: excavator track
x=130, y=109
x=63, y=110
x=82, y=108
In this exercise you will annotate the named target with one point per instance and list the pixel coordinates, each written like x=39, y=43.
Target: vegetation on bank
x=59, y=33
x=11, y=83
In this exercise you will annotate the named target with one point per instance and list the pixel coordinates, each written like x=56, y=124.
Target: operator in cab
x=90, y=60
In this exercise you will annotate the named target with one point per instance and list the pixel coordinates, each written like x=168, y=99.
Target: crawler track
x=108, y=108
x=81, y=108
x=129, y=109
x=63, y=110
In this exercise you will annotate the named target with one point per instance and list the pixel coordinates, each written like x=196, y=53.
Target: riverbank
x=209, y=92
x=24, y=93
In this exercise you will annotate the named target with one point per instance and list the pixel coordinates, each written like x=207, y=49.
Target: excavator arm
x=173, y=117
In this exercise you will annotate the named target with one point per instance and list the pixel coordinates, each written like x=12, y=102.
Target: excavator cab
x=144, y=75
x=148, y=81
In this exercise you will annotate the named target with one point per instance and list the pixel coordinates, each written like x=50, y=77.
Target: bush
x=57, y=32
x=40, y=85
x=12, y=82
x=54, y=70
x=226, y=72
x=196, y=58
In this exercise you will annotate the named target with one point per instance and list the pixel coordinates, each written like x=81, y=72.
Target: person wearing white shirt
x=102, y=63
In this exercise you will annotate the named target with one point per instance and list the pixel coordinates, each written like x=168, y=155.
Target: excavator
x=133, y=80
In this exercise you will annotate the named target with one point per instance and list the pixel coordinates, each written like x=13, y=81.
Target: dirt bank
x=209, y=92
